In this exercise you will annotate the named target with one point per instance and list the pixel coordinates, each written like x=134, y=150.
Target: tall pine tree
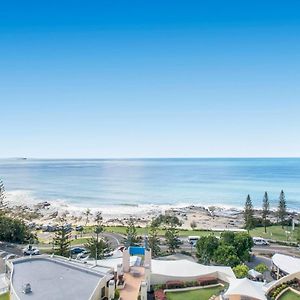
x=265, y=210
x=62, y=240
x=281, y=212
x=172, y=233
x=153, y=239
x=96, y=245
x=248, y=214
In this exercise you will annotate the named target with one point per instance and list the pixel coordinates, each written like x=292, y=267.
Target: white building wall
x=162, y=279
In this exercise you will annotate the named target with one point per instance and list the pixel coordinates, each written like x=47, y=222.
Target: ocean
x=131, y=183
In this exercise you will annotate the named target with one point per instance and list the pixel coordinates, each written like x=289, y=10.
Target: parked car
x=108, y=254
x=29, y=250
x=31, y=225
x=193, y=239
x=84, y=254
x=77, y=250
x=259, y=241
x=38, y=227
x=79, y=228
x=48, y=228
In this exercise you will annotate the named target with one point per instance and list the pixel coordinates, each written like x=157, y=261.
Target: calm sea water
x=96, y=183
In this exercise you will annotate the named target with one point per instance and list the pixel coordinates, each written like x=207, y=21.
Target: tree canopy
x=131, y=233
x=15, y=231
x=96, y=245
x=281, y=211
x=226, y=255
x=153, y=239
x=171, y=224
x=265, y=210
x=205, y=248
x=240, y=271
x=230, y=250
x=62, y=240
x=248, y=214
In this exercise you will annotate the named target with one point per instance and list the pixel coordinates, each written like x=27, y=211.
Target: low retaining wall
x=193, y=288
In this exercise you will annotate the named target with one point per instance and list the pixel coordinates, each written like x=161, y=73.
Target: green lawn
x=79, y=241
x=4, y=296
x=289, y=295
x=203, y=294
x=275, y=233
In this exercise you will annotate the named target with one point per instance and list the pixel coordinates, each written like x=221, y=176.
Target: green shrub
x=117, y=294
x=191, y=283
x=240, y=271
x=261, y=268
x=185, y=253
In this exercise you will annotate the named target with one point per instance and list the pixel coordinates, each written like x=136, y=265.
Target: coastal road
x=276, y=248
x=114, y=239
x=257, y=250
x=11, y=248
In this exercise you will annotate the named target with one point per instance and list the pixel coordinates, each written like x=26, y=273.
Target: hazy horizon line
x=149, y=157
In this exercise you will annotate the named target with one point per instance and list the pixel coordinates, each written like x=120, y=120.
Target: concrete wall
x=97, y=292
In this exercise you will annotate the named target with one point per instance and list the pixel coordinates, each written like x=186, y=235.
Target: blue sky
x=149, y=78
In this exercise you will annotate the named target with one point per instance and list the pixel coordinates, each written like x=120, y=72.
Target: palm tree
x=87, y=214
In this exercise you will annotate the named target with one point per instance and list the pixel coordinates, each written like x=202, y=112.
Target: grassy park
x=204, y=294
x=4, y=296
x=273, y=232
x=289, y=295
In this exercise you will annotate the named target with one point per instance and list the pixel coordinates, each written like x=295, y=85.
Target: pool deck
x=132, y=284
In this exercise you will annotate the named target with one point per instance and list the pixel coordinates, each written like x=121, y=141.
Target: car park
x=48, y=228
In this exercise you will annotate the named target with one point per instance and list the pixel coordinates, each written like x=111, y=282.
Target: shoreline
x=208, y=218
